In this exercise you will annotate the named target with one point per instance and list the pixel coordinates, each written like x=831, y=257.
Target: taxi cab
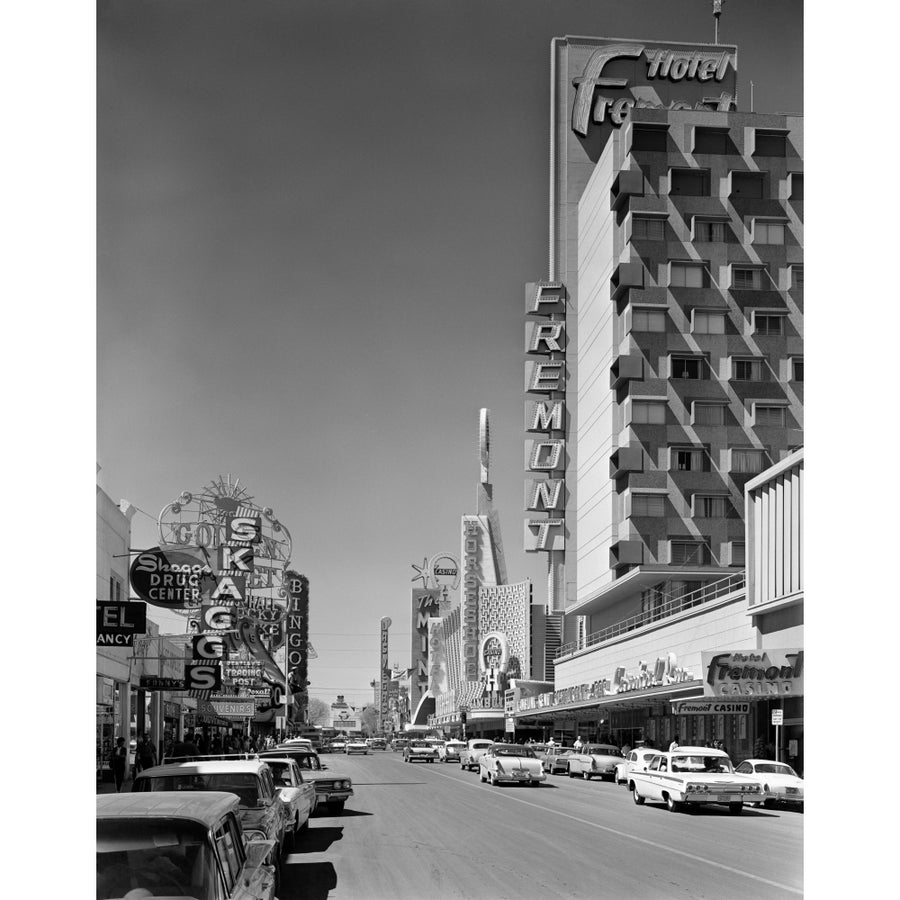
x=178, y=844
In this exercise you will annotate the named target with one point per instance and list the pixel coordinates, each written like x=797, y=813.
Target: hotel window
x=768, y=324
x=745, y=462
x=689, y=182
x=645, y=412
x=768, y=232
x=709, y=231
x=689, y=553
x=649, y=228
x=797, y=368
x=738, y=553
x=770, y=144
x=796, y=186
x=747, y=370
x=748, y=185
x=768, y=416
x=648, y=505
x=691, y=368
x=709, y=413
x=710, y=506
x=648, y=320
x=692, y=275
x=706, y=322
x=643, y=138
x=689, y=459
x=746, y=278
x=796, y=278
x=710, y=140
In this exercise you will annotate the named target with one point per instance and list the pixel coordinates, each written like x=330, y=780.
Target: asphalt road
x=427, y=830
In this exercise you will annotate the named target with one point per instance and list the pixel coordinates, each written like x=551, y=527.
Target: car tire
x=569, y=772
x=638, y=799
x=481, y=777
x=672, y=805
x=735, y=808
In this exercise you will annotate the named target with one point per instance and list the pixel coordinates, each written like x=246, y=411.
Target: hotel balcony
x=722, y=591
x=626, y=367
x=626, y=459
x=629, y=183
x=626, y=275
x=626, y=553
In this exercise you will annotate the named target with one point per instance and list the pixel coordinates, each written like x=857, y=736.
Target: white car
x=471, y=753
x=358, y=746
x=449, y=751
x=781, y=783
x=636, y=761
x=514, y=763
x=595, y=760
x=694, y=776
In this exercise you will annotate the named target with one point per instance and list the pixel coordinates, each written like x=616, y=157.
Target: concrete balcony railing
x=709, y=592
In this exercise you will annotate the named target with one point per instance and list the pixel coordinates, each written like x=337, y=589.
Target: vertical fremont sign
x=545, y=417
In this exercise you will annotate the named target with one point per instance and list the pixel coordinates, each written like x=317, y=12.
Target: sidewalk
x=109, y=787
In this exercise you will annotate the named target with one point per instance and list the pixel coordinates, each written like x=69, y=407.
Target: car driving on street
x=513, y=763
x=694, y=776
x=595, y=761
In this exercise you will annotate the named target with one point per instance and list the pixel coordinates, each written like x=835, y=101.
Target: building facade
x=664, y=373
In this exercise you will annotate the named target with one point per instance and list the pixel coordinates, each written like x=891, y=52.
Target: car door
x=307, y=793
x=651, y=785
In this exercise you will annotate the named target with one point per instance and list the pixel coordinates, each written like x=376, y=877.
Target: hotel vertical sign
x=385, y=674
x=545, y=417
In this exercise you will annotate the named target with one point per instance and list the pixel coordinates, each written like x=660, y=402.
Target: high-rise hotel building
x=664, y=349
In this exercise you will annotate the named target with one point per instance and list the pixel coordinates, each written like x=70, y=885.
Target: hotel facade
x=664, y=388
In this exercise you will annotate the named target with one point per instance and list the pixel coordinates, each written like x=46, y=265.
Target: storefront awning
x=629, y=700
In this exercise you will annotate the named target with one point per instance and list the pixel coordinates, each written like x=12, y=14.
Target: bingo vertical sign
x=296, y=588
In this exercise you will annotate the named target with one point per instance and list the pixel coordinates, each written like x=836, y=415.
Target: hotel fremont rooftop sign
x=603, y=79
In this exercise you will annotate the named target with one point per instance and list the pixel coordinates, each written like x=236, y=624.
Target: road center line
x=634, y=837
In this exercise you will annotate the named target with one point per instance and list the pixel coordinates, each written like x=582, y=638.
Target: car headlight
x=337, y=785
x=347, y=785
x=252, y=834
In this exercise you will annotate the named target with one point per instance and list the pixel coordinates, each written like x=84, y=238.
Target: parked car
x=514, y=763
x=636, y=761
x=781, y=784
x=470, y=754
x=300, y=803
x=262, y=810
x=449, y=751
x=555, y=760
x=598, y=760
x=356, y=746
x=419, y=751
x=179, y=844
x=304, y=743
x=694, y=775
x=398, y=744
x=333, y=790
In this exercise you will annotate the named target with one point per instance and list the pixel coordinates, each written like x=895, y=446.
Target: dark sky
x=315, y=222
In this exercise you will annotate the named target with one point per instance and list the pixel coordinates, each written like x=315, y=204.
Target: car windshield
x=165, y=858
x=697, y=763
x=775, y=769
x=245, y=785
x=603, y=750
x=418, y=744
x=514, y=751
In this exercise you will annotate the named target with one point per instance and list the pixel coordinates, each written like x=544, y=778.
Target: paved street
x=432, y=830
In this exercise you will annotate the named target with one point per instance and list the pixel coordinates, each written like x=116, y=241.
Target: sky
x=315, y=221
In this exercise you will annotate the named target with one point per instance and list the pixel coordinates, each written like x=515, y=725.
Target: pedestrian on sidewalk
x=117, y=762
x=578, y=744
x=674, y=744
x=146, y=754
